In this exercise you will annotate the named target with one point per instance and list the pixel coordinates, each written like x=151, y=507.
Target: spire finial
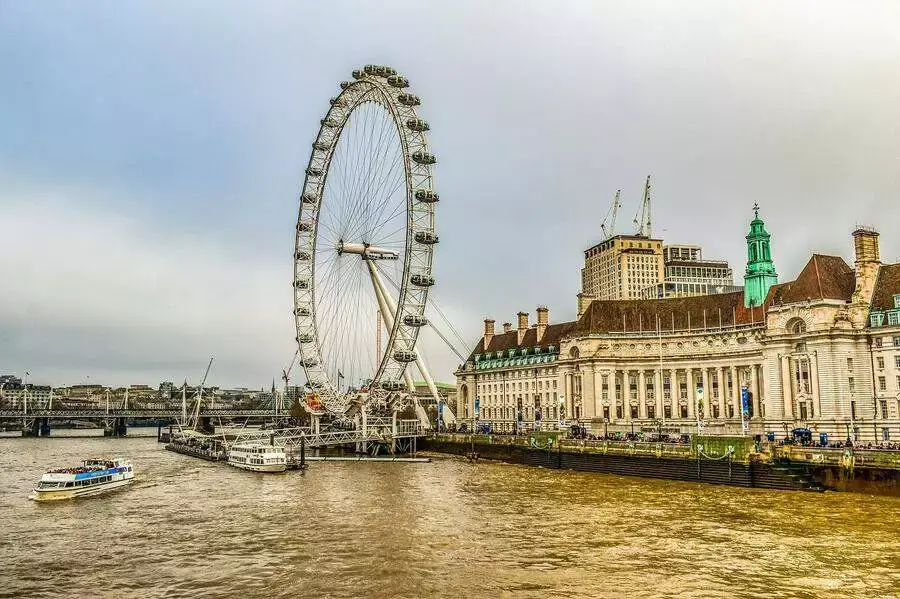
x=756, y=209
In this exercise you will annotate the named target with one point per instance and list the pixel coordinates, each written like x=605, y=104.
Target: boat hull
x=259, y=467
x=72, y=493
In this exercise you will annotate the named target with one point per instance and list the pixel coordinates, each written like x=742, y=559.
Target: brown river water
x=189, y=528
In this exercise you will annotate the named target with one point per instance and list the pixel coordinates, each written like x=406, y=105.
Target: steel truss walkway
x=375, y=430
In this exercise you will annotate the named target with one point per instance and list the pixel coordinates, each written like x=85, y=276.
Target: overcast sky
x=151, y=153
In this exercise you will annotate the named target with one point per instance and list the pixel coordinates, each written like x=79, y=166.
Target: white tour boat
x=92, y=477
x=258, y=457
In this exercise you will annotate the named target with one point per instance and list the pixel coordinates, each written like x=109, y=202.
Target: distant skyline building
x=621, y=267
x=688, y=274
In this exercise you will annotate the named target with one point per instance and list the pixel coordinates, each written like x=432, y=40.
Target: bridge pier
x=36, y=427
x=115, y=428
x=31, y=428
x=206, y=425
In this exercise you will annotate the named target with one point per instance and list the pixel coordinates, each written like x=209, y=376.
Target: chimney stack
x=543, y=319
x=507, y=327
x=523, y=326
x=865, y=242
x=488, y=332
x=868, y=262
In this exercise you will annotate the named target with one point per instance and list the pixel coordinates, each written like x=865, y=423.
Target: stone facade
x=806, y=358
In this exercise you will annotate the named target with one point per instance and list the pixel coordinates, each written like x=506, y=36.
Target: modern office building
x=686, y=273
x=621, y=267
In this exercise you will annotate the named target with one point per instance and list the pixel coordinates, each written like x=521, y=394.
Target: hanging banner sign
x=477, y=407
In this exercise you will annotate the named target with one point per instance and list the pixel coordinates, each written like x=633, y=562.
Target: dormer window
x=897, y=301
x=876, y=319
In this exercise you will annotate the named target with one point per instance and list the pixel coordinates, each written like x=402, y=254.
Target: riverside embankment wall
x=722, y=461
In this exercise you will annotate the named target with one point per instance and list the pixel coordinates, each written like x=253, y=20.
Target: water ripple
x=445, y=529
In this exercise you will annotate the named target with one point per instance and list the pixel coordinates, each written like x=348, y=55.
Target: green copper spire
x=760, y=273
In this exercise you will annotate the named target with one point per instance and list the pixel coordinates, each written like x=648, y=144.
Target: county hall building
x=821, y=351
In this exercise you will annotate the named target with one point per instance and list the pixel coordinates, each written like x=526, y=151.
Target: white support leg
x=388, y=308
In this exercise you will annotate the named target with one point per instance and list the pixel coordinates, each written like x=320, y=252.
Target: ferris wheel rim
x=418, y=255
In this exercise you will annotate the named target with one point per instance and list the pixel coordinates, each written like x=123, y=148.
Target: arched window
x=796, y=326
x=753, y=253
x=573, y=352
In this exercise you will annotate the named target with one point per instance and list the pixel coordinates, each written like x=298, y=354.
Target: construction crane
x=611, y=217
x=642, y=221
x=286, y=377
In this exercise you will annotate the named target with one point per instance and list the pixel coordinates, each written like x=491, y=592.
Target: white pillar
x=814, y=375
x=786, y=388
x=642, y=395
x=754, y=389
x=707, y=394
x=658, y=392
x=723, y=393
x=735, y=392
x=626, y=395
x=673, y=392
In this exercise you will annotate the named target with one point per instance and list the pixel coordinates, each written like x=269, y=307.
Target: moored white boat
x=92, y=477
x=258, y=457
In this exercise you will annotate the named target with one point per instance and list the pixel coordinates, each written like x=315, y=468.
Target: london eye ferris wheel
x=365, y=238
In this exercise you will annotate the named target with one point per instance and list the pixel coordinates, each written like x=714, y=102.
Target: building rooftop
x=823, y=277
x=886, y=287
x=507, y=341
x=438, y=384
x=671, y=314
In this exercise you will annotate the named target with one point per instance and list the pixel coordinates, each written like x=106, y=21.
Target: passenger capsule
x=427, y=196
x=310, y=362
x=345, y=84
x=302, y=311
x=388, y=71
x=369, y=69
x=330, y=123
x=321, y=146
x=404, y=355
x=302, y=256
x=398, y=81
x=305, y=225
x=305, y=338
x=308, y=198
x=314, y=172
x=301, y=284
x=339, y=102
x=423, y=157
x=391, y=385
x=418, y=125
x=415, y=320
x=426, y=237
x=421, y=280
x=359, y=74
x=409, y=99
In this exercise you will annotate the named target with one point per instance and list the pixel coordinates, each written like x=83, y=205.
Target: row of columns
x=790, y=385
x=693, y=376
